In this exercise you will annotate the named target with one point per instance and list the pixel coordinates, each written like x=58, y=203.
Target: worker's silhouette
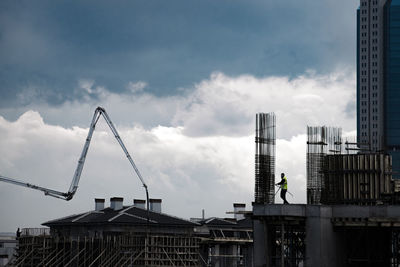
x=283, y=185
x=18, y=234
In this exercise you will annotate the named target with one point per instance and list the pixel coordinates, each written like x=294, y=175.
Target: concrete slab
x=296, y=210
x=350, y=211
x=393, y=211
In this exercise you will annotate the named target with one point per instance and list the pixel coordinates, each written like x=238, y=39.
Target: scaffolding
x=265, y=158
x=321, y=141
x=286, y=241
x=114, y=250
x=227, y=248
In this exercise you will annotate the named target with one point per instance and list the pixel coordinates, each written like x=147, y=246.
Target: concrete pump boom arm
x=75, y=180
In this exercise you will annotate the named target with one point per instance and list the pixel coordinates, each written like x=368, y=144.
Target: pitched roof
x=247, y=222
x=226, y=223
x=128, y=215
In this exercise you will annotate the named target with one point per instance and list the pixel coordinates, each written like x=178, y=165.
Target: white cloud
x=195, y=150
x=136, y=87
x=86, y=85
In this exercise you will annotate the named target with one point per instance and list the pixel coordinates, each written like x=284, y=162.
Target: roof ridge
x=220, y=219
x=128, y=208
x=176, y=217
x=86, y=214
x=63, y=218
x=210, y=219
x=113, y=218
x=135, y=216
x=161, y=213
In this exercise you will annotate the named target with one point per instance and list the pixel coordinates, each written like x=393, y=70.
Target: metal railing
x=35, y=231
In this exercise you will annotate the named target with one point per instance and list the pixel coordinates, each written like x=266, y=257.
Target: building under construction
x=351, y=217
x=226, y=242
x=134, y=236
x=115, y=236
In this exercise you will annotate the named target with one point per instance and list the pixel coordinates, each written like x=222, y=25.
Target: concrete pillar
x=217, y=259
x=234, y=253
x=261, y=244
x=323, y=245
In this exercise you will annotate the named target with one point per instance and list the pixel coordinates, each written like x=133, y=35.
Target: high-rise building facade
x=378, y=77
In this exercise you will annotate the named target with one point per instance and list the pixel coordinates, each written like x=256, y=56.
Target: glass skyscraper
x=378, y=78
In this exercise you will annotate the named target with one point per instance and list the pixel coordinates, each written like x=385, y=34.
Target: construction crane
x=77, y=175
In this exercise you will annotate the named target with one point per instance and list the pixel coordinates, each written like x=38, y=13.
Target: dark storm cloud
x=51, y=45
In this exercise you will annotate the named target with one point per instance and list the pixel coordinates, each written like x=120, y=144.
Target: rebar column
x=321, y=140
x=265, y=158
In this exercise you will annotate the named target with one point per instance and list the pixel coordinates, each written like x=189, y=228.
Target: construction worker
x=18, y=234
x=283, y=185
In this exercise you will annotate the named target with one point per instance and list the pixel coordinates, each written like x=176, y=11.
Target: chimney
x=237, y=207
x=139, y=203
x=99, y=204
x=116, y=203
x=155, y=205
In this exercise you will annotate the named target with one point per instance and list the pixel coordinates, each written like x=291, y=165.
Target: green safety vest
x=284, y=186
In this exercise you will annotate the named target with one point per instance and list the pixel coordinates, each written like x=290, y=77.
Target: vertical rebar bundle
x=321, y=141
x=265, y=158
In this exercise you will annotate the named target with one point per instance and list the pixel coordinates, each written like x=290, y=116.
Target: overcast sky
x=182, y=81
